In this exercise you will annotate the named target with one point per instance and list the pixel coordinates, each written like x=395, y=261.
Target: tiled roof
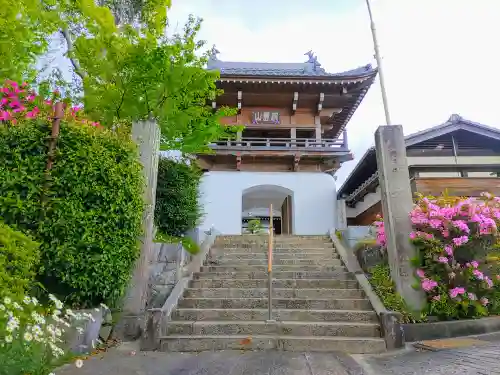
x=367, y=164
x=307, y=69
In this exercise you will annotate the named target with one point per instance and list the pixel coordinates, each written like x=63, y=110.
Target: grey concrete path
x=125, y=360
x=120, y=361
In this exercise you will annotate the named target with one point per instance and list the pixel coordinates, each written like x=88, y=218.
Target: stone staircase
x=317, y=304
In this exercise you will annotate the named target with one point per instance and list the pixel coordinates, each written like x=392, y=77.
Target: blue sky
x=440, y=56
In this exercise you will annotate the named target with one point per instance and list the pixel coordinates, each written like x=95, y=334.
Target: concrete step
x=276, y=268
x=280, y=250
x=358, y=345
x=279, y=303
x=278, y=328
x=264, y=246
x=277, y=283
x=338, y=275
x=276, y=256
x=276, y=261
x=278, y=314
x=278, y=293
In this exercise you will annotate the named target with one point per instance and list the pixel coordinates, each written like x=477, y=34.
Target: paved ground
x=479, y=360
x=476, y=360
x=121, y=362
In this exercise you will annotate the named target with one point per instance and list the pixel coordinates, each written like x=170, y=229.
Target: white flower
x=2, y=307
x=79, y=363
x=17, y=306
x=27, y=300
x=34, y=301
x=8, y=339
x=7, y=301
x=28, y=336
x=12, y=324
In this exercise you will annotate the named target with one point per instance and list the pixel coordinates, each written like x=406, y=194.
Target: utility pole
x=379, y=64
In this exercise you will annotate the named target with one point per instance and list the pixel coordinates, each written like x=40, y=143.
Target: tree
x=129, y=71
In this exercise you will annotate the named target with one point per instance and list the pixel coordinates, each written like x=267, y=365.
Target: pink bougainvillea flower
x=445, y=233
x=449, y=250
x=31, y=98
x=472, y=296
x=457, y=291
x=460, y=240
x=443, y=260
x=5, y=116
x=420, y=273
x=437, y=298
x=413, y=235
x=428, y=284
x=484, y=301
x=474, y=264
x=478, y=274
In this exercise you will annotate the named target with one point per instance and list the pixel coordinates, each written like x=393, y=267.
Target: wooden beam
x=328, y=112
x=295, y=101
x=320, y=103
x=296, y=161
x=238, y=162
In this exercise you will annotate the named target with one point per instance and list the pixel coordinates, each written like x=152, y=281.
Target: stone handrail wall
x=390, y=321
x=157, y=317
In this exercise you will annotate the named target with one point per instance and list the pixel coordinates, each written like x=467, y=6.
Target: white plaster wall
x=313, y=202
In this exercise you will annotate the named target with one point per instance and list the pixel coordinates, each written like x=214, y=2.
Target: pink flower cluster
x=442, y=226
x=19, y=102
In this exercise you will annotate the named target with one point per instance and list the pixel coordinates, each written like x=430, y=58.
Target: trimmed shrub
x=177, y=197
x=86, y=212
x=19, y=258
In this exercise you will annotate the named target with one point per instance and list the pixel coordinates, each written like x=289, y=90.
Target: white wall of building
x=313, y=200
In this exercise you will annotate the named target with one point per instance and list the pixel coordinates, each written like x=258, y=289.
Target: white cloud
x=440, y=56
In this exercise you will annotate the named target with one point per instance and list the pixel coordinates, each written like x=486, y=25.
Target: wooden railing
x=289, y=143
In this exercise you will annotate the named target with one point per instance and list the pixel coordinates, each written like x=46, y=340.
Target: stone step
x=277, y=283
x=264, y=246
x=264, y=250
x=357, y=345
x=278, y=314
x=279, y=303
x=277, y=292
x=277, y=328
x=276, y=261
x=339, y=275
x=276, y=268
x=276, y=256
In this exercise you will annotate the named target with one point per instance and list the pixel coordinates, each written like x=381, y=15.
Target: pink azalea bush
x=18, y=103
x=452, y=236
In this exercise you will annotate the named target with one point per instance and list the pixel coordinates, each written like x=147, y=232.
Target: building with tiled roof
x=294, y=139
x=460, y=156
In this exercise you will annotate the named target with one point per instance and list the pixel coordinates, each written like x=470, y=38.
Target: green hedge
x=86, y=216
x=384, y=287
x=177, y=197
x=19, y=258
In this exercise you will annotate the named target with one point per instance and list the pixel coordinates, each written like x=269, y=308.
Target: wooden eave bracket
x=295, y=101
x=296, y=161
x=240, y=98
x=238, y=162
x=320, y=103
